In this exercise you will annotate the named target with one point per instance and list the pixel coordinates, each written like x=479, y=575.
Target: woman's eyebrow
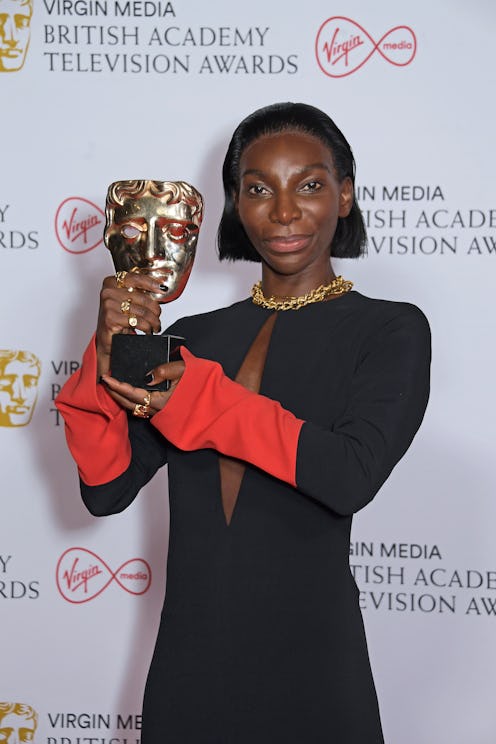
x=252, y=172
x=300, y=171
x=312, y=166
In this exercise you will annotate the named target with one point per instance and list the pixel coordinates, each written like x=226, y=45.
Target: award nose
x=153, y=247
x=9, y=31
x=18, y=391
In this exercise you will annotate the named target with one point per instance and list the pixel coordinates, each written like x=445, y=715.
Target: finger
x=136, y=318
x=171, y=371
x=135, y=281
x=116, y=296
x=117, y=307
x=129, y=396
x=158, y=399
x=130, y=393
x=121, y=400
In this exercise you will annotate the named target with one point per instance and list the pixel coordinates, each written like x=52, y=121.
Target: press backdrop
x=94, y=91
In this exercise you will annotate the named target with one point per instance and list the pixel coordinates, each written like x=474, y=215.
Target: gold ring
x=120, y=276
x=141, y=411
x=133, y=321
x=147, y=400
x=125, y=306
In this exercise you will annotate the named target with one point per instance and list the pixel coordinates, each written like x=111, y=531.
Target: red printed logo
x=82, y=575
x=343, y=46
x=79, y=225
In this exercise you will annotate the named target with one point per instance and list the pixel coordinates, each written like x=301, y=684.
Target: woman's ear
x=346, y=197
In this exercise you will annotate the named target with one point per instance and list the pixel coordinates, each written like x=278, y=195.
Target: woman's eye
x=312, y=186
x=257, y=190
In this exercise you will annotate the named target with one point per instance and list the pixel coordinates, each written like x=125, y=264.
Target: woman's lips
x=287, y=244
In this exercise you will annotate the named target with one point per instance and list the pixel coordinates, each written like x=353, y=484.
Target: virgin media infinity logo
x=79, y=225
x=343, y=46
x=82, y=575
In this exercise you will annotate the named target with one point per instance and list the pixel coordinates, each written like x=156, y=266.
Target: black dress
x=261, y=639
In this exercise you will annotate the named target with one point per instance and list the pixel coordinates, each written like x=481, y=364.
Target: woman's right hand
x=113, y=319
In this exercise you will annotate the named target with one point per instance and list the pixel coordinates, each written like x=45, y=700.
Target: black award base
x=133, y=356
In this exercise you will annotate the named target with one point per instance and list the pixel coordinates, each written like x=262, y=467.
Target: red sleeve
x=342, y=465
x=95, y=425
x=209, y=410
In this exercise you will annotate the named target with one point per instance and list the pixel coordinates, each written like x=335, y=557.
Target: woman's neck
x=280, y=285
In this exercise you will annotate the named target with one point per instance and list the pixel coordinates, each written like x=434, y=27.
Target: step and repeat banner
x=94, y=91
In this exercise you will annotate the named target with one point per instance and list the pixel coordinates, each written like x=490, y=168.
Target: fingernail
x=164, y=287
x=102, y=380
x=149, y=377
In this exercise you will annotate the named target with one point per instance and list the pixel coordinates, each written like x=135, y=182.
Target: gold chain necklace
x=338, y=286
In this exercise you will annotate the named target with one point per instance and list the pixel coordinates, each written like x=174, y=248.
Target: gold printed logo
x=19, y=376
x=15, y=31
x=18, y=723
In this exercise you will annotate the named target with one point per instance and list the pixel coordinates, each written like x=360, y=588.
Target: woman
x=261, y=638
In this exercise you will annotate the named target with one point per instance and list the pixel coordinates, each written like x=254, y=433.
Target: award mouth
x=17, y=410
x=160, y=271
x=156, y=272
x=10, y=53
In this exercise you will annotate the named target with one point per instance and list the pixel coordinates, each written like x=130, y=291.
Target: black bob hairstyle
x=232, y=241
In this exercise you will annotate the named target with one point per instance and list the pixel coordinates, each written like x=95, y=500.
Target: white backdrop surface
x=111, y=90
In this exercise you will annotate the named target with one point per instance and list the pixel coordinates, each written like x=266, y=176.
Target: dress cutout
x=250, y=376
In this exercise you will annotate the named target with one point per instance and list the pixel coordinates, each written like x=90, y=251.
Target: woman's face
x=290, y=200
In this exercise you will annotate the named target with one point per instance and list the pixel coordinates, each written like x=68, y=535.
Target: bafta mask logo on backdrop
x=343, y=46
x=18, y=723
x=15, y=30
x=82, y=575
x=19, y=376
x=79, y=224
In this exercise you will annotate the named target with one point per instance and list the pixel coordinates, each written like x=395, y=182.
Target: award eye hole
x=130, y=231
x=181, y=232
x=22, y=21
x=177, y=232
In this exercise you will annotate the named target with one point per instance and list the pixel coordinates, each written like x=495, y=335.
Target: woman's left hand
x=139, y=401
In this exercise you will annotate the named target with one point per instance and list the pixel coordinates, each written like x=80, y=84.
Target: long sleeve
x=208, y=410
x=95, y=425
x=342, y=465
x=148, y=454
x=115, y=455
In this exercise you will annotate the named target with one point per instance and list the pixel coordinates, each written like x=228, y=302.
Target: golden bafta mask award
x=151, y=228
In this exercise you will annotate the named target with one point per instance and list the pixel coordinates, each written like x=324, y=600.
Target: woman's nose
x=285, y=209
